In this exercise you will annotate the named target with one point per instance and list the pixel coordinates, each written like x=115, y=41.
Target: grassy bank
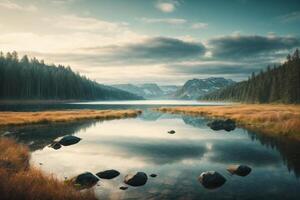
x=280, y=120
x=23, y=118
x=21, y=181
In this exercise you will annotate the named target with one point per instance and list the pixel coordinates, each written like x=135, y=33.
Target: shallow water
x=143, y=144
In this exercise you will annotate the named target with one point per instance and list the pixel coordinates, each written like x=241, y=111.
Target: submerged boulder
x=240, y=170
x=153, y=175
x=171, y=132
x=227, y=125
x=55, y=145
x=69, y=140
x=86, y=180
x=123, y=188
x=211, y=179
x=138, y=179
x=108, y=174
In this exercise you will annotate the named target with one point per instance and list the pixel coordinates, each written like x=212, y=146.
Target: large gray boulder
x=137, y=179
x=227, y=125
x=86, y=179
x=240, y=170
x=211, y=179
x=108, y=174
x=69, y=140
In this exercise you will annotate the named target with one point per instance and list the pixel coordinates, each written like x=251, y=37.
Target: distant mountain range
x=196, y=88
x=192, y=89
x=149, y=90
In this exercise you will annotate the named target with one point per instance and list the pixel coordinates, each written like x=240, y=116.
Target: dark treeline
x=280, y=84
x=33, y=79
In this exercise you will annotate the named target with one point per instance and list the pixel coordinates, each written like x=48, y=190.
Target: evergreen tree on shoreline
x=279, y=85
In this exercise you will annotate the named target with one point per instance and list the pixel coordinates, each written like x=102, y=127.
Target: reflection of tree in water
x=199, y=122
x=289, y=149
x=150, y=115
x=39, y=136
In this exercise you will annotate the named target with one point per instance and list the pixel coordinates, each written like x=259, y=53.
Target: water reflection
x=143, y=144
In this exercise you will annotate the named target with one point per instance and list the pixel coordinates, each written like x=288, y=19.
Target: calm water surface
x=143, y=144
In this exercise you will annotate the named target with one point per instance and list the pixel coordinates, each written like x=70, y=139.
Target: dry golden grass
x=19, y=181
x=266, y=118
x=22, y=118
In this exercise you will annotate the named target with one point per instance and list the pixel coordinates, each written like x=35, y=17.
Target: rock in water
x=86, y=179
x=69, y=140
x=138, y=179
x=240, y=170
x=227, y=125
x=211, y=179
x=108, y=174
x=153, y=175
x=123, y=188
x=55, y=145
x=171, y=132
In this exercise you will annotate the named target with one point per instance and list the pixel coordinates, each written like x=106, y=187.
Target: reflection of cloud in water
x=159, y=151
x=229, y=152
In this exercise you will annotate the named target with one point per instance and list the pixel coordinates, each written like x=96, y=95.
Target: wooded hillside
x=33, y=79
x=279, y=84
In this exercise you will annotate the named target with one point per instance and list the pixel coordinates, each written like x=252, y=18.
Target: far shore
x=276, y=120
x=45, y=117
x=35, y=101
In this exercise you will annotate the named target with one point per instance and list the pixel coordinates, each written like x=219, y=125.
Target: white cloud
x=69, y=33
x=173, y=21
x=167, y=6
x=74, y=22
x=199, y=25
x=290, y=17
x=6, y=4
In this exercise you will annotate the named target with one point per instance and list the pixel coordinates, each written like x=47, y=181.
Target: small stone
x=171, y=132
x=153, y=175
x=123, y=188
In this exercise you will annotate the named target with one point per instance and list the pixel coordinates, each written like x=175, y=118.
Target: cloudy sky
x=163, y=41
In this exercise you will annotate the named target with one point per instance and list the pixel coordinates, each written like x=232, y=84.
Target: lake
x=143, y=144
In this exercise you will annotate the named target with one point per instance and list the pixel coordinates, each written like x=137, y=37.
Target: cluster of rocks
x=219, y=124
x=87, y=179
x=213, y=179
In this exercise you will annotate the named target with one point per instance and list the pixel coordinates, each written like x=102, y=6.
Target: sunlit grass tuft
x=266, y=118
x=22, y=118
x=20, y=181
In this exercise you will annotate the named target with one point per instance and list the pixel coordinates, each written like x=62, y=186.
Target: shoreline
x=36, y=101
x=30, y=182
x=20, y=180
x=272, y=119
x=48, y=117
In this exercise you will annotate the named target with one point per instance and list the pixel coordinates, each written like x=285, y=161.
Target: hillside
x=280, y=84
x=196, y=88
x=33, y=79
